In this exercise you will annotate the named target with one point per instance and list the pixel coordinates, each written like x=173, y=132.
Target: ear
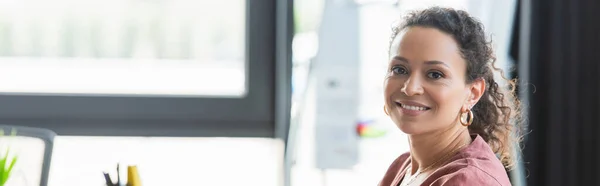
x=475, y=91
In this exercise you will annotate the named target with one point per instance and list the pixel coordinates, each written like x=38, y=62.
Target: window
x=133, y=47
x=146, y=67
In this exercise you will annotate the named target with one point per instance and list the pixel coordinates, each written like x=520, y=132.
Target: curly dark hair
x=497, y=115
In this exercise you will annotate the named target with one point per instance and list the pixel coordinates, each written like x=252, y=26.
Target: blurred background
x=269, y=93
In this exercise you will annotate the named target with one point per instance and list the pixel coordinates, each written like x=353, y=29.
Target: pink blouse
x=476, y=164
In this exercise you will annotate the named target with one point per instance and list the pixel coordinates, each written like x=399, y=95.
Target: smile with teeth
x=409, y=107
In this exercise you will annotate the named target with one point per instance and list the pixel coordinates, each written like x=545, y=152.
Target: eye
x=435, y=75
x=399, y=70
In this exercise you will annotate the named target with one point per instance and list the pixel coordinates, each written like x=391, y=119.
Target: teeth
x=413, y=107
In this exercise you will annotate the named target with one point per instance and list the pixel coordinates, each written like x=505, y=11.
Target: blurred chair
x=34, y=149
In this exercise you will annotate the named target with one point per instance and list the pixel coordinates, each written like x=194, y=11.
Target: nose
x=412, y=86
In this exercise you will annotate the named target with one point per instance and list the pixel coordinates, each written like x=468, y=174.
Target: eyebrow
x=433, y=62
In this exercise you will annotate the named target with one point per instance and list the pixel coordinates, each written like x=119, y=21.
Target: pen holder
x=133, y=177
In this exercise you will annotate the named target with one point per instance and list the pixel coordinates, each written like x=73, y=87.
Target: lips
x=411, y=108
x=410, y=105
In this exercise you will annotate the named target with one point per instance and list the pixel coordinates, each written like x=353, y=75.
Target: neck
x=427, y=149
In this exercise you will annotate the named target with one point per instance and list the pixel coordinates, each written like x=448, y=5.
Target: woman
x=440, y=91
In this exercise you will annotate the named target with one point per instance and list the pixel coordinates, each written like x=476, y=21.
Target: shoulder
x=472, y=171
x=394, y=169
x=398, y=162
x=474, y=165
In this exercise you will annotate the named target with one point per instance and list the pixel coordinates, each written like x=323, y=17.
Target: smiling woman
x=417, y=68
x=440, y=91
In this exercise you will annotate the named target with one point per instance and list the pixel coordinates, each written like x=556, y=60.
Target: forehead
x=426, y=44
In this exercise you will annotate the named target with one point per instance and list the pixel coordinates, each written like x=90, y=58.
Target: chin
x=409, y=128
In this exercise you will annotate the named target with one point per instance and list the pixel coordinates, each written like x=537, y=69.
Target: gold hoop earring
x=469, y=119
x=385, y=110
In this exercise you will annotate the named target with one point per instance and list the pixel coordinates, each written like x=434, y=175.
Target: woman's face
x=425, y=88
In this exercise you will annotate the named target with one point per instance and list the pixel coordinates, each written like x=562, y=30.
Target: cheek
x=390, y=86
x=447, y=99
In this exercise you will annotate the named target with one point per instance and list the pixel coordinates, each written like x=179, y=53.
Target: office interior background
x=270, y=92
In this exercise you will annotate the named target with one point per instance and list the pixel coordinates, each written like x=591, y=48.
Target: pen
x=108, y=180
x=118, y=176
